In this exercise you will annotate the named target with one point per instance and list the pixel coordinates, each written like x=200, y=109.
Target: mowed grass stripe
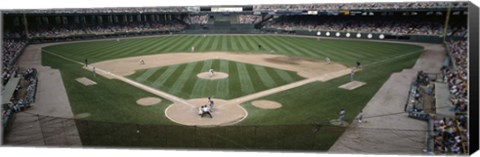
x=183, y=78
x=264, y=76
x=246, y=84
x=234, y=80
x=174, y=77
x=291, y=49
x=251, y=45
x=146, y=74
x=153, y=48
x=266, y=41
x=207, y=42
x=334, y=55
x=174, y=46
x=216, y=43
x=284, y=75
x=266, y=48
x=188, y=87
x=160, y=80
x=187, y=45
x=258, y=85
x=223, y=84
x=196, y=41
x=308, y=52
x=164, y=45
x=223, y=42
x=275, y=76
x=228, y=40
x=243, y=44
x=321, y=53
x=234, y=42
x=139, y=49
x=201, y=84
x=114, y=51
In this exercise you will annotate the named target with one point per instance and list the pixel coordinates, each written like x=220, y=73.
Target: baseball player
x=205, y=110
x=359, y=65
x=193, y=48
x=94, y=74
x=142, y=61
x=211, y=72
x=360, y=117
x=352, y=74
x=86, y=62
x=211, y=105
x=341, y=116
x=328, y=60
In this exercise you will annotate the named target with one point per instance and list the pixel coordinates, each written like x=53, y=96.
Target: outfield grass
x=114, y=101
x=243, y=79
x=343, y=51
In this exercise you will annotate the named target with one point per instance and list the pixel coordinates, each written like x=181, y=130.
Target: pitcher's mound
x=148, y=101
x=215, y=76
x=223, y=114
x=352, y=85
x=266, y=104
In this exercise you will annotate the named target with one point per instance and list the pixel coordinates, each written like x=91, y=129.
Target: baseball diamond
x=182, y=79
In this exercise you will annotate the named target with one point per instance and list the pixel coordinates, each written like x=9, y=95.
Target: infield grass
x=286, y=128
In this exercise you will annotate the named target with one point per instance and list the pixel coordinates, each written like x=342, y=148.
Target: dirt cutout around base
x=215, y=76
x=148, y=101
x=266, y=104
x=221, y=114
x=338, y=123
x=82, y=115
x=85, y=81
x=352, y=85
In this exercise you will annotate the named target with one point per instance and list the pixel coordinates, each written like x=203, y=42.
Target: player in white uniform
x=211, y=72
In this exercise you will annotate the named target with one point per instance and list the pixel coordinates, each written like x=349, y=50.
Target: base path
x=306, y=68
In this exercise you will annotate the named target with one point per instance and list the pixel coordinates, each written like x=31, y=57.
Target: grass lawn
x=285, y=128
x=181, y=80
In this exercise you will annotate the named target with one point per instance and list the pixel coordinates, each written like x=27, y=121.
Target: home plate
x=85, y=81
x=352, y=85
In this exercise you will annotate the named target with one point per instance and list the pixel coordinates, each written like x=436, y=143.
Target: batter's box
x=85, y=81
x=352, y=85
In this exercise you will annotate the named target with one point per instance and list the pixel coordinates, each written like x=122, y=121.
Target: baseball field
x=275, y=92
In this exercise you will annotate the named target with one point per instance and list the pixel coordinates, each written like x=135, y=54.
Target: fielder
x=360, y=117
x=328, y=60
x=193, y=48
x=142, y=62
x=210, y=73
x=341, y=116
x=94, y=74
x=351, y=75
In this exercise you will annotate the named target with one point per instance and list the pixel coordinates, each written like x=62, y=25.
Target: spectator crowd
x=72, y=30
x=197, y=19
x=11, y=50
x=360, y=6
x=451, y=135
x=386, y=25
x=103, y=10
x=457, y=77
x=249, y=19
